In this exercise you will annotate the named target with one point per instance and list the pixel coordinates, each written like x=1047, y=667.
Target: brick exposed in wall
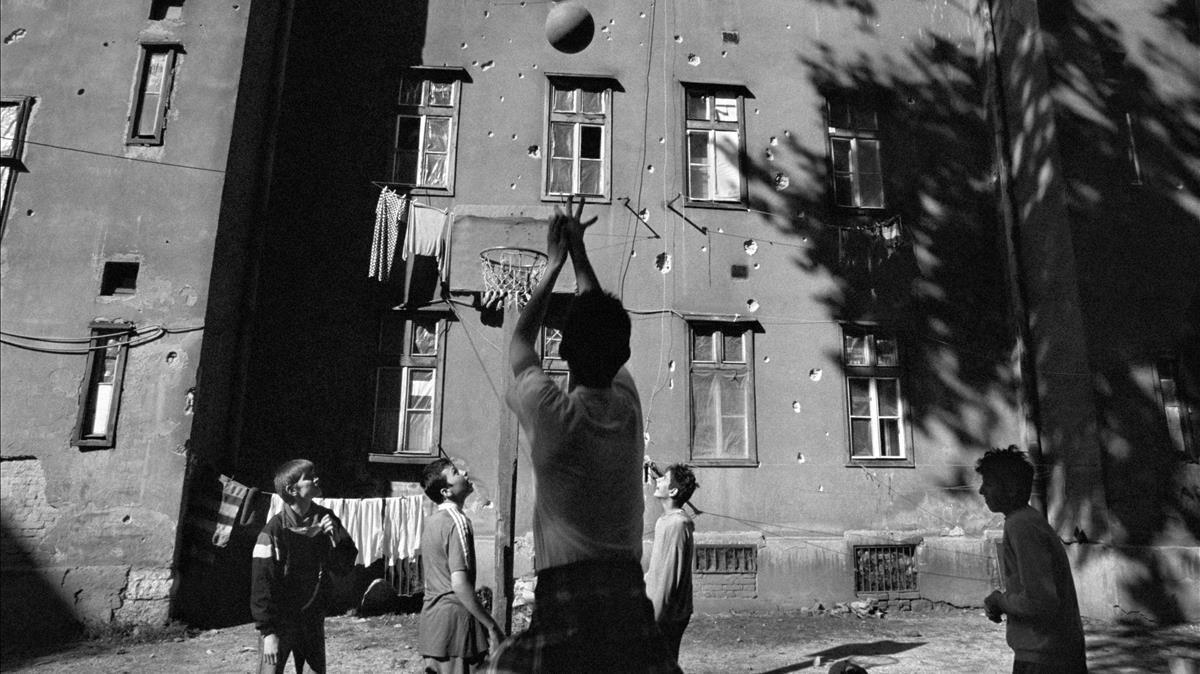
x=24, y=512
x=91, y=594
x=725, y=585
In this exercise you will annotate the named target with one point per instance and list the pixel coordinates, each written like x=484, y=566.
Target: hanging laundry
x=403, y=517
x=362, y=518
x=426, y=226
x=233, y=496
x=368, y=528
x=390, y=210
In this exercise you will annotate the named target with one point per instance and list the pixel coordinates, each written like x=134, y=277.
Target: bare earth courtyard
x=764, y=643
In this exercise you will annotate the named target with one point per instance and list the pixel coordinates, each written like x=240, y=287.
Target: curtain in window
x=720, y=415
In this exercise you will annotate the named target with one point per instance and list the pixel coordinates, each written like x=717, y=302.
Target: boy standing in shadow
x=1044, y=629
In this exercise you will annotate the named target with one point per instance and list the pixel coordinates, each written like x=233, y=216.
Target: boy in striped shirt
x=454, y=629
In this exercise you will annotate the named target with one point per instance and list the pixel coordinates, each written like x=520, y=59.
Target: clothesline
x=387, y=528
x=424, y=230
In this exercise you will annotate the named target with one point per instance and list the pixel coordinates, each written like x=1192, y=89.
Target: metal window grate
x=726, y=559
x=885, y=568
x=405, y=577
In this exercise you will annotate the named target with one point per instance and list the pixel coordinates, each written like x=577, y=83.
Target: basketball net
x=509, y=275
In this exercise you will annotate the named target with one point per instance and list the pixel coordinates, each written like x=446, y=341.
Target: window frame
x=146, y=51
x=406, y=363
x=854, y=133
x=1185, y=436
x=746, y=330
x=874, y=372
x=121, y=334
x=711, y=92
x=13, y=162
x=23, y=106
x=578, y=120
x=424, y=111
x=555, y=366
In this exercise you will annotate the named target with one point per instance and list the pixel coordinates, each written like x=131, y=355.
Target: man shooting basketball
x=591, y=612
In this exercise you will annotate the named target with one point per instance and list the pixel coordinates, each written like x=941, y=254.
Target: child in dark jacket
x=1044, y=629
x=292, y=558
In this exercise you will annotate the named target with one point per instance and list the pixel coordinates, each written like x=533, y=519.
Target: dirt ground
x=765, y=643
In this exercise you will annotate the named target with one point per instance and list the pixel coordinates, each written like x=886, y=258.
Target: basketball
x=569, y=26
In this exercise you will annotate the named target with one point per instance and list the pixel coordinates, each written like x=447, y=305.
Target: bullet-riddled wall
x=776, y=261
x=99, y=229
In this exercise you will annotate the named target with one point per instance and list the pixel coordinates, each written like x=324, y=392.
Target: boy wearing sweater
x=291, y=560
x=1044, y=629
x=669, y=578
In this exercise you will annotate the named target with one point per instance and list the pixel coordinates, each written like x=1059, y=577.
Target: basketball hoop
x=509, y=274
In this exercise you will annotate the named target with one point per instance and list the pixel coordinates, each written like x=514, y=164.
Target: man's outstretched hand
x=572, y=224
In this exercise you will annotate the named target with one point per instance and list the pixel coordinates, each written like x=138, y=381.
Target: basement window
x=120, y=278
x=883, y=569
x=726, y=559
x=100, y=391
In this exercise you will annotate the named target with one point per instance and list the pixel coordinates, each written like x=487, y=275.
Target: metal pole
x=506, y=484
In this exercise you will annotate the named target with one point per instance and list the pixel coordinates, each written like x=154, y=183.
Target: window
x=855, y=154
x=1182, y=415
x=426, y=130
x=885, y=569
x=714, y=146
x=552, y=361
x=1122, y=101
x=711, y=558
x=100, y=392
x=578, y=138
x=14, y=115
x=722, y=389
x=155, y=73
x=166, y=9
x=874, y=401
x=119, y=278
x=408, y=386
x=14, y=118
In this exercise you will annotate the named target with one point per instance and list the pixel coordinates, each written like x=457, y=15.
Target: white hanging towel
x=368, y=535
x=389, y=212
x=402, y=520
x=426, y=226
x=380, y=527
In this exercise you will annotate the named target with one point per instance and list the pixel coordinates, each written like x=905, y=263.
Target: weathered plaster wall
x=311, y=366
x=87, y=198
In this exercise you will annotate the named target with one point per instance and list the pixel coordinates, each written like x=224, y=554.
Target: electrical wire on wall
x=141, y=336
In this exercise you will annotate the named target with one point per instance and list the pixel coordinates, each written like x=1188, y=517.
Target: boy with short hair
x=1044, y=629
x=291, y=560
x=591, y=613
x=669, y=578
x=454, y=629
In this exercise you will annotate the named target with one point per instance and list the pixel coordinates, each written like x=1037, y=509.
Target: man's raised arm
x=522, y=351
x=585, y=276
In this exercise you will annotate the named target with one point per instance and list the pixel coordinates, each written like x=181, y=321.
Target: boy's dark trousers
x=1066, y=665
x=303, y=639
x=672, y=631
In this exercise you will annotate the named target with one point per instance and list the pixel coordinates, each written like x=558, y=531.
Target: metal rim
x=538, y=256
